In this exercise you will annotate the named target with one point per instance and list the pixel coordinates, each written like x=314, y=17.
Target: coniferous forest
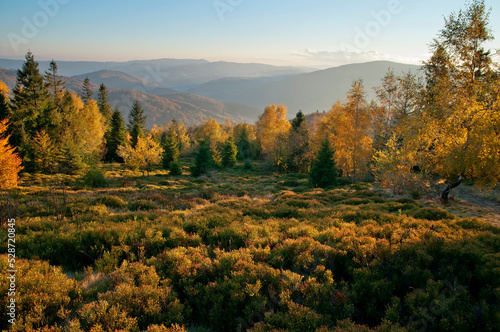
x=342, y=221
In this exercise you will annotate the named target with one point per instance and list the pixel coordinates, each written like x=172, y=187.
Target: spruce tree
x=103, y=103
x=229, y=153
x=170, y=149
x=244, y=148
x=30, y=103
x=117, y=137
x=299, y=119
x=136, y=122
x=202, y=160
x=135, y=134
x=298, y=156
x=175, y=168
x=87, y=91
x=53, y=82
x=323, y=172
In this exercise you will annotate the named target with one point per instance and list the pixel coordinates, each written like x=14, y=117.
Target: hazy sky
x=315, y=33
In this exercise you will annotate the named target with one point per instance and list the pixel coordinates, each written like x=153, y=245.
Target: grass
x=342, y=256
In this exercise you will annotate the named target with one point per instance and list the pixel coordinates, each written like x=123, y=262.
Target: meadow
x=243, y=249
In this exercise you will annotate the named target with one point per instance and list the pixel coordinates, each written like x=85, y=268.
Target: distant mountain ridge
x=238, y=98
x=188, y=108
x=309, y=92
x=167, y=73
x=120, y=80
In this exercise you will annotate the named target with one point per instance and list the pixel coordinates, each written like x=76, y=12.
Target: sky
x=312, y=33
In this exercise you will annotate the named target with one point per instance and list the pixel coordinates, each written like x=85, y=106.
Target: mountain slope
x=307, y=92
x=9, y=76
x=189, y=109
x=120, y=80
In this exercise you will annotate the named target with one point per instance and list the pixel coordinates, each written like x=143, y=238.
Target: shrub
x=95, y=178
x=248, y=165
x=175, y=168
x=291, y=183
x=143, y=205
x=139, y=291
x=431, y=214
x=44, y=295
x=111, y=201
x=101, y=314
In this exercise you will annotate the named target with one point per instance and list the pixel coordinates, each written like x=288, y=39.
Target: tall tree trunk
x=444, y=193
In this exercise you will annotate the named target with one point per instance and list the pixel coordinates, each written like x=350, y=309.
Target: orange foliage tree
x=10, y=163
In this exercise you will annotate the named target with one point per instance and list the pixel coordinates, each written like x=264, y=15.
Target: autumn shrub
x=44, y=295
x=303, y=255
x=295, y=317
x=163, y=328
x=142, y=205
x=350, y=257
x=95, y=283
x=101, y=316
x=95, y=178
x=139, y=291
x=286, y=212
x=110, y=201
x=230, y=238
x=291, y=183
x=431, y=213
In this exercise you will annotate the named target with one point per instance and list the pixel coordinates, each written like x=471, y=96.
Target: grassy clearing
x=243, y=249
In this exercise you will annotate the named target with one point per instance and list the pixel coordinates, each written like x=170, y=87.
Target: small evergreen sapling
x=202, y=160
x=323, y=172
x=229, y=153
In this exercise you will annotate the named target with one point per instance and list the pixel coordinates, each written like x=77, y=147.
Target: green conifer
x=323, y=172
x=229, y=153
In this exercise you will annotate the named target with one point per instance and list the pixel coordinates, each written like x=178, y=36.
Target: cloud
x=335, y=58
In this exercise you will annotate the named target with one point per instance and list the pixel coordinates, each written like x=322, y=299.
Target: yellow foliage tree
x=10, y=163
x=210, y=131
x=456, y=130
x=83, y=131
x=393, y=168
x=144, y=156
x=348, y=126
x=271, y=125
